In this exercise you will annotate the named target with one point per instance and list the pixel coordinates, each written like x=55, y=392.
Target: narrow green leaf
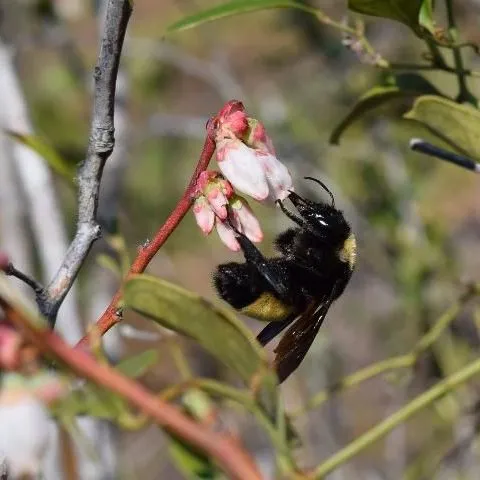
x=413, y=82
x=192, y=464
x=425, y=18
x=235, y=7
x=109, y=263
x=403, y=86
x=404, y=11
x=137, y=365
x=375, y=97
x=47, y=152
x=217, y=330
x=458, y=125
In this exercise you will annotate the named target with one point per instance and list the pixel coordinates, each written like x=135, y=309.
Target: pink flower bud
x=227, y=235
x=232, y=120
x=230, y=107
x=218, y=202
x=4, y=261
x=48, y=387
x=10, y=342
x=245, y=220
x=204, y=215
x=242, y=169
x=258, y=138
x=278, y=177
x=203, y=180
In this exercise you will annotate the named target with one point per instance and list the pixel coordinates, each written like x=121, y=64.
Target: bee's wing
x=296, y=342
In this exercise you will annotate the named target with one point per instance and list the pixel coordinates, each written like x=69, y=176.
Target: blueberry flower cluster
x=248, y=164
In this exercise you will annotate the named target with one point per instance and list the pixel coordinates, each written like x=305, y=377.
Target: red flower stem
x=224, y=449
x=109, y=318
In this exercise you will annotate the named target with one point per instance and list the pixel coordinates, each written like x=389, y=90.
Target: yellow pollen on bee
x=268, y=308
x=348, y=253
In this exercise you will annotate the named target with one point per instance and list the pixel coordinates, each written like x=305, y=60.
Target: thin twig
x=419, y=66
x=100, y=147
x=224, y=449
x=37, y=287
x=464, y=94
x=383, y=428
x=419, y=145
x=110, y=317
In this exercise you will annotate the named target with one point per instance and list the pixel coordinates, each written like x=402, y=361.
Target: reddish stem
x=109, y=318
x=224, y=449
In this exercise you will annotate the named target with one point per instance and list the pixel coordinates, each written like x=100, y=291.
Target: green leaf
x=217, y=330
x=403, y=86
x=375, y=97
x=136, y=365
x=404, y=11
x=425, y=18
x=192, y=463
x=47, y=152
x=235, y=7
x=458, y=125
x=109, y=263
x=415, y=83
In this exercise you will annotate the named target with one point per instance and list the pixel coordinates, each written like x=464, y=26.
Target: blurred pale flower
x=24, y=432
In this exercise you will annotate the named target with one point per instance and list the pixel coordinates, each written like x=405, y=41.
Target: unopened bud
x=4, y=261
x=204, y=215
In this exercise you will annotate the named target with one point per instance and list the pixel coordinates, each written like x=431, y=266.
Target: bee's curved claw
x=290, y=215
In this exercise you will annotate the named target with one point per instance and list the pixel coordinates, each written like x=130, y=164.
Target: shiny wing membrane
x=298, y=339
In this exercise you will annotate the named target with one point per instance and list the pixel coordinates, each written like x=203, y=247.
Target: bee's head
x=321, y=218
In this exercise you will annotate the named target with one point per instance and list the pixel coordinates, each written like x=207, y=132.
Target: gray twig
x=31, y=282
x=100, y=147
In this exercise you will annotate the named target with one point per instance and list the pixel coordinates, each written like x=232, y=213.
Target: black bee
x=317, y=260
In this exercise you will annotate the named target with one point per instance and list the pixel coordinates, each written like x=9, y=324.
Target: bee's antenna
x=324, y=187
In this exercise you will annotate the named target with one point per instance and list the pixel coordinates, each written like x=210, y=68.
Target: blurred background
x=417, y=220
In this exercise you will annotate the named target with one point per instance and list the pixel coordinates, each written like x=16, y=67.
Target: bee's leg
x=274, y=328
x=289, y=214
x=264, y=267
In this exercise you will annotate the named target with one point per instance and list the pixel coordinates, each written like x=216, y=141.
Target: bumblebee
x=297, y=288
